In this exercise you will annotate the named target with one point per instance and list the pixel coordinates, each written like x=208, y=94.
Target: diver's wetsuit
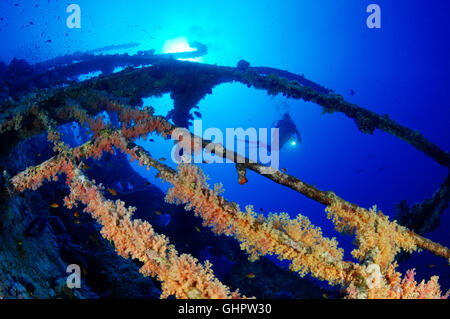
x=288, y=130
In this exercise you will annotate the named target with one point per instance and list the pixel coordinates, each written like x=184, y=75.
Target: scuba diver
x=288, y=132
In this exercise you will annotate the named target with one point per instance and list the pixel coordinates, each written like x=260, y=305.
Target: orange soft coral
x=295, y=240
x=392, y=286
x=181, y=275
x=377, y=237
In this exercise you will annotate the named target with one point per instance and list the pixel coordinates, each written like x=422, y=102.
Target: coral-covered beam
x=326, y=198
x=181, y=275
x=197, y=79
x=144, y=123
x=63, y=69
x=294, y=240
x=258, y=234
x=205, y=77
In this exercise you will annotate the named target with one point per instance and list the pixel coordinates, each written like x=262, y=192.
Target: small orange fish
x=325, y=296
x=162, y=159
x=54, y=205
x=197, y=229
x=250, y=275
x=76, y=214
x=431, y=265
x=85, y=166
x=284, y=170
x=157, y=212
x=243, y=180
x=112, y=191
x=76, y=221
x=158, y=175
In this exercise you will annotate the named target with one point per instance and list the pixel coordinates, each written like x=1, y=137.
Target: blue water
x=400, y=69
